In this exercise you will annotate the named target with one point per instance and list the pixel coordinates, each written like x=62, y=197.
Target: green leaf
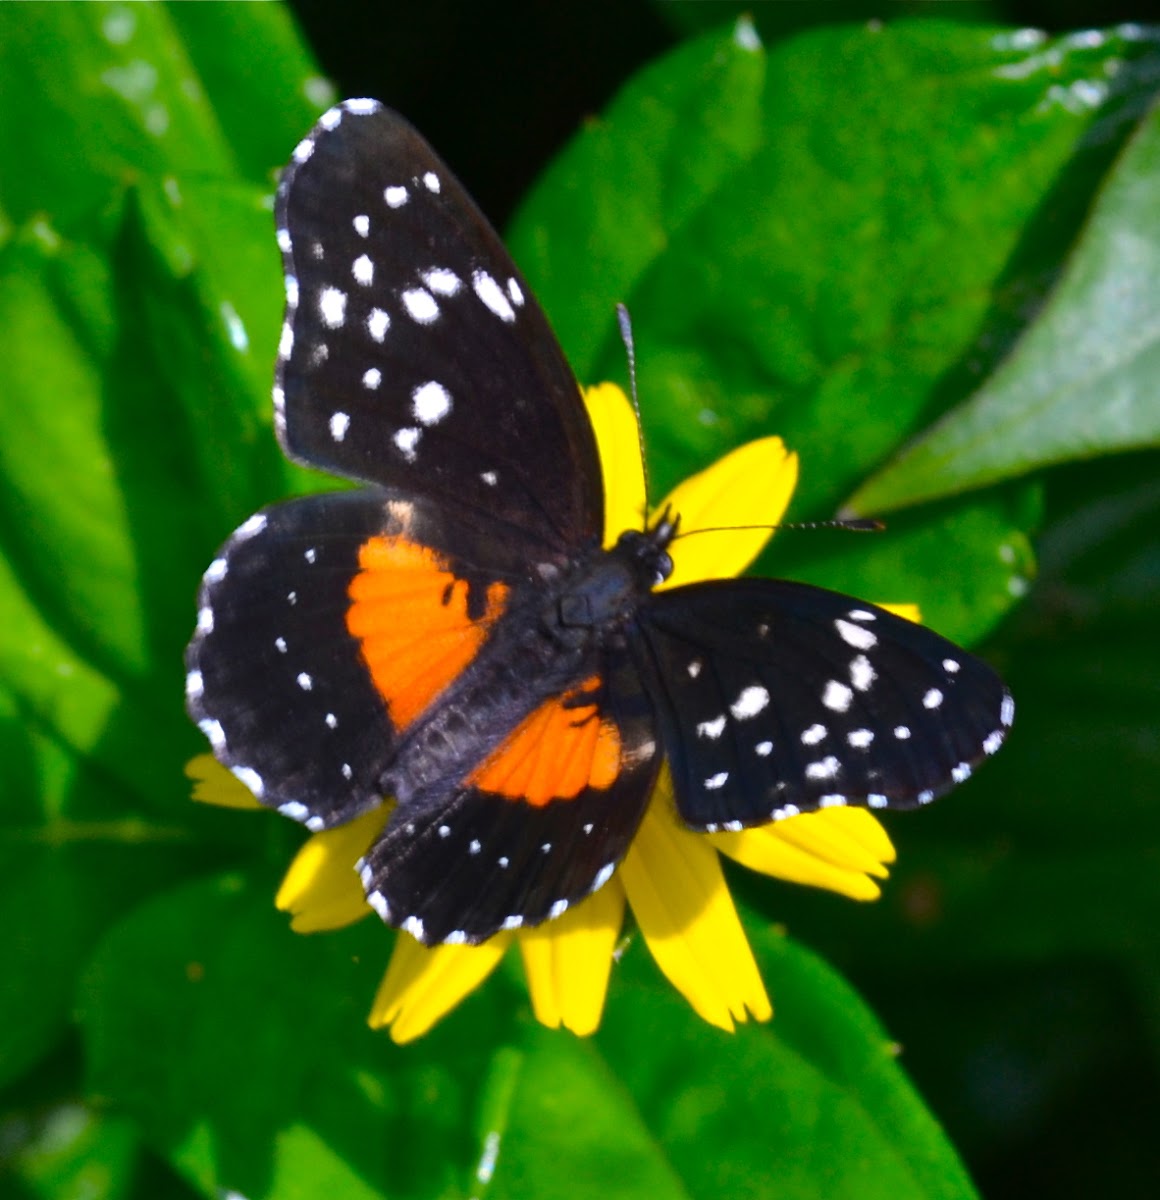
x=243, y=1049
x=1082, y=381
x=96, y=95
x=989, y=560
x=69, y=1153
x=610, y=204
x=874, y=247
x=812, y=1103
x=74, y=854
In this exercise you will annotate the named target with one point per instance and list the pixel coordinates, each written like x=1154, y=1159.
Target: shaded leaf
x=1083, y=381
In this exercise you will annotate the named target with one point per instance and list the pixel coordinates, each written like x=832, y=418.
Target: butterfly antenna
x=625, y=323
x=849, y=524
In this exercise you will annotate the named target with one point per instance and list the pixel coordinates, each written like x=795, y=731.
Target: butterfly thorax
x=551, y=643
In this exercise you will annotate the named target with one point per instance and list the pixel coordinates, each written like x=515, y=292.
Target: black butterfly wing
x=775, y=698
x=326, y=625
x=540, y=825
x=413, y=352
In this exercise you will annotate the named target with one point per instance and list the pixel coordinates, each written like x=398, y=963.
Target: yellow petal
x=568, y=961
x=910, y=612
x=321, y=890
x=424, y=983
x=750, y=486
x=678, y=894
x=835, y=848
x=621, y=466
x=213, y=784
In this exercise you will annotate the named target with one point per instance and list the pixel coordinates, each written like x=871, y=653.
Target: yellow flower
x=671, y=877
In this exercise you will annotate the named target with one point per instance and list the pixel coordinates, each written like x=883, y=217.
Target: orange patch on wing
x=409, y=611
x=554, y=753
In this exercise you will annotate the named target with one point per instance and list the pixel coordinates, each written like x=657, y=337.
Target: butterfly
x=452, y=636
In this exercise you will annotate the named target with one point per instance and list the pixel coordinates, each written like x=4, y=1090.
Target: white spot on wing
x=603, y=876
x=441, y=281
x=855, y=635
x=406, y=440
x=248, y=528
x=813, y=735
x=825, y=768
x=251, y=779
x=414, y=927
x=420, y=305
x=216, y=571
x=304, y=681
x=932, y=699
x=430, y=402
x=860, y=738
x=751, y=701
x=332, y=307
x=205, y=620
x=194, y=685
x=395, y=197
x=992, y=741
x=339, y=424
x=216, y=734
x=516, y=293
x=294, y=810
x=330, y=118
x=303, y=150
x=901, y=732
x=950, y=666
x=489, y=477
x=837, y=696
x=831, y=800
x=372, y=378
x=715, y=782
x=877, y=800
x=558, y=909
x=764, y=749
x=961, y=772
x=1007, y=711
x=489, y=292
x=862, y=674
x=712, y=729
x=377, y=324
x=362, y=225
x=431, y=182
x=363, y=270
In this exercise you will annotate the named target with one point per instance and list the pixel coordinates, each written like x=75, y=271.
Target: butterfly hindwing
x=775, y=698
x=540, y=823
x=326, y=626
x=413, y=353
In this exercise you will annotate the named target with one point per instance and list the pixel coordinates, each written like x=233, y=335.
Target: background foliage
x=926, y=253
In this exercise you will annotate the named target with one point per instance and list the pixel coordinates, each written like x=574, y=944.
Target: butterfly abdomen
x=548, y=647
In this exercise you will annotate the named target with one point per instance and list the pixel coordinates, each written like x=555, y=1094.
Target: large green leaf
x=1085, y=380
x=242, y=1049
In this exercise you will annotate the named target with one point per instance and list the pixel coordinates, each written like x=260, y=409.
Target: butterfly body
x=454, y=639
x=548, y=645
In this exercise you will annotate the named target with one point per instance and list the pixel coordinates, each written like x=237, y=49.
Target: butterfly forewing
x=413, y=352
x=776, y=698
